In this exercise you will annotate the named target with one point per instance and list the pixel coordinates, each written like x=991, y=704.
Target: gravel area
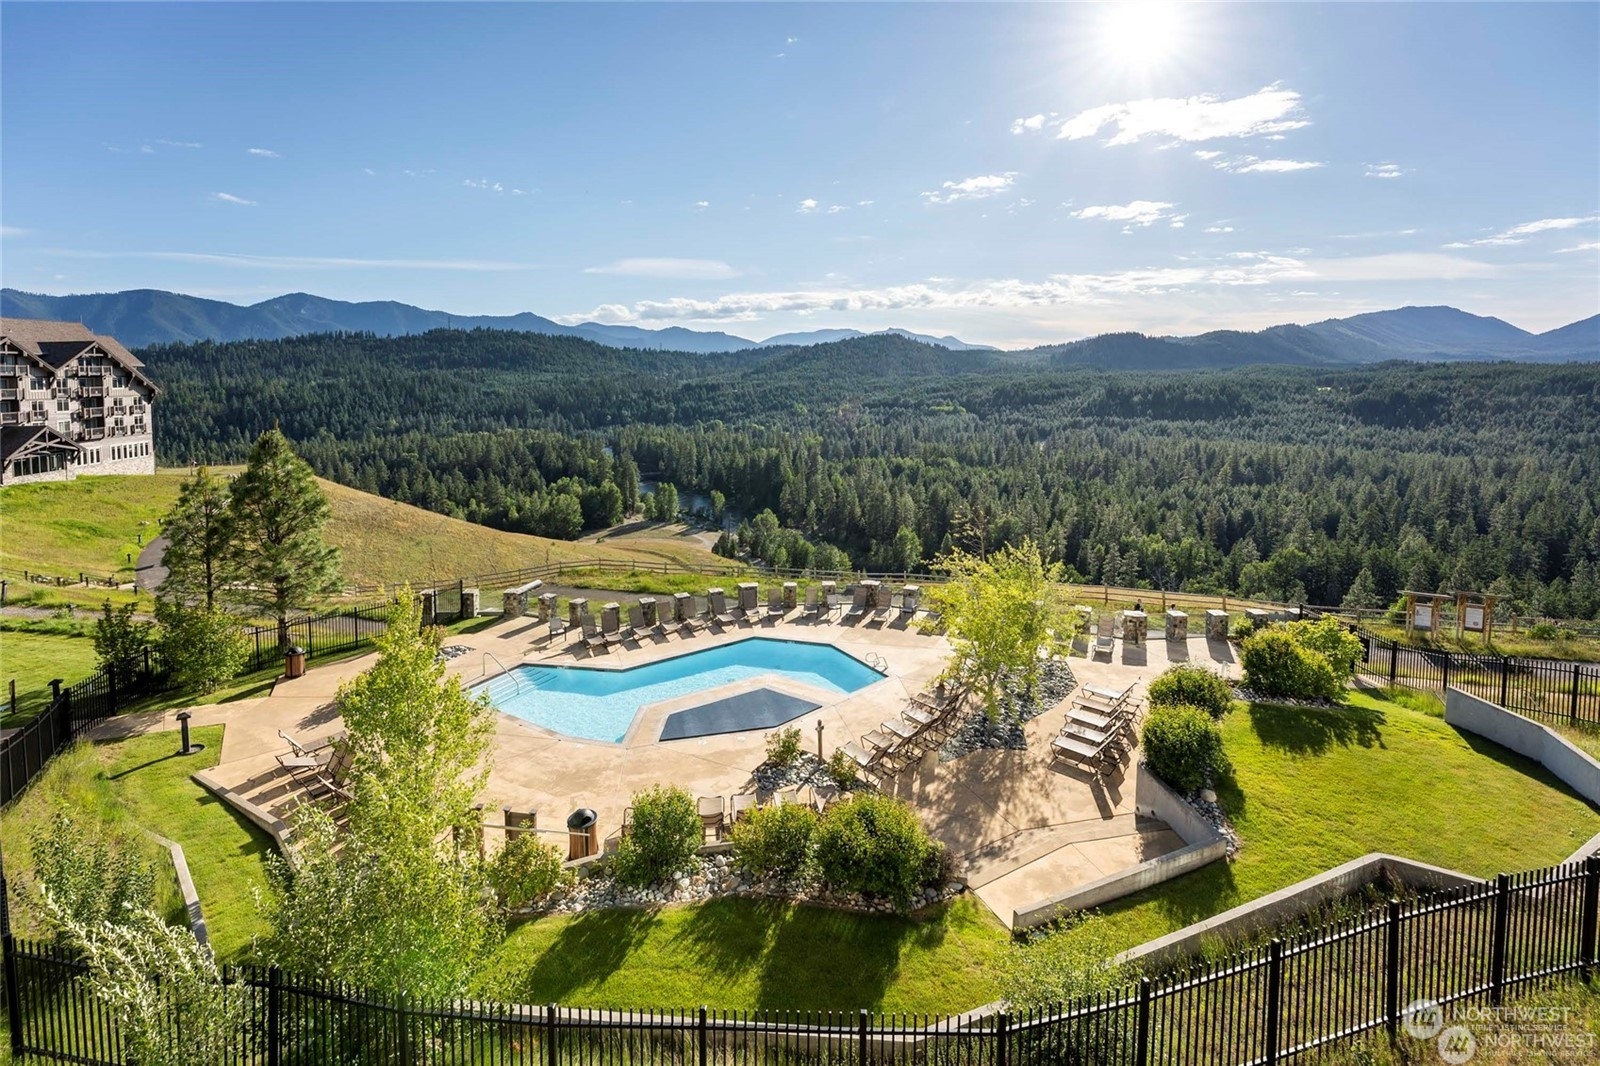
x=1016, y=710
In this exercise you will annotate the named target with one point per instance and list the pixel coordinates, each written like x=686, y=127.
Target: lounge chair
x=858, y=605
x=696, y=620
x=742, y=804
x=869, y=764
x=712, y=817
x=719, y=610
x=775, y=604
x=835, y=601
x=1103, y=635
x=331, y=780
x=812, y=611
x=302, y=761
x=592, y=637
x=660, y=628
x=881, y=613
x=635, y=627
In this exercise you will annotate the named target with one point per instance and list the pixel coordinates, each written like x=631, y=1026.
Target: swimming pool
x=601, y=704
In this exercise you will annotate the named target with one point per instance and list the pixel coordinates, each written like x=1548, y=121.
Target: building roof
x=25, y=439
x=32, y=334
x=57, y=343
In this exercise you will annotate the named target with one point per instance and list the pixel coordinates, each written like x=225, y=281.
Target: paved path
x=151, y=573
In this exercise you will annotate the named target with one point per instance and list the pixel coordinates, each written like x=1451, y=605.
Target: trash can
x=294, y=662
x=582, y=833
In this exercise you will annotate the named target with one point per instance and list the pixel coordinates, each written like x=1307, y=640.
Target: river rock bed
x=977, y=732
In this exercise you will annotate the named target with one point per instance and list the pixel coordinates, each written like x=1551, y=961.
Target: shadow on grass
x=588, y=949
x=1314, y=730
x=120, y=774
x=824, y=959
x=1521, y=764
x=1188, y=899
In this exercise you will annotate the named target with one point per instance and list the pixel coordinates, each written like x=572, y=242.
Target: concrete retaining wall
x=1528, y=738
x=186, y=889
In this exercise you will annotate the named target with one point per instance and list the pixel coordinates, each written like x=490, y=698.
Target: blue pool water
x=601, y=704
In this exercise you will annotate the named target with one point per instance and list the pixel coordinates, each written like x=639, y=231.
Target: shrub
x=1275, y=664
x=527, y=869
x=1195, y=686
x=91, y=880
x=118, y=636
x=1183, y=746
x=873, y=845
x=1543, y=631
x=783, y=746
x=205, y=649
x=841, y=769
x=1329, y=638
x=665, y=836
x=775, y=841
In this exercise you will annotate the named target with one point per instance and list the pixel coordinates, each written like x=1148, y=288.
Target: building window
x=63, y=404
x=39, y=382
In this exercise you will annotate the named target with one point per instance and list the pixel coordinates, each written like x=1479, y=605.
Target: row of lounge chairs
x=925, y=723
x=321, y=769
x=1099, y=730
x=714, y=611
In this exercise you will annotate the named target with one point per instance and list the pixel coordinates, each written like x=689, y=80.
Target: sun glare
x=1138, y=34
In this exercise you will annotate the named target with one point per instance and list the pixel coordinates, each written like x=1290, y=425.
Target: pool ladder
x=504, y=672
x=877, y=662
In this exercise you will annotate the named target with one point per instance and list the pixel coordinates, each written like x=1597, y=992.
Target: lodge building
x=71, y=403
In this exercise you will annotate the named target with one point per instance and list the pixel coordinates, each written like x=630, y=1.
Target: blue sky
x=1010, y=174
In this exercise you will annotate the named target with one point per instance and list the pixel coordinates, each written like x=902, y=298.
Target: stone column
x=610, y=617
x=513, y=603
x=576, y=607
x=471, y=600
x=682, y=606
x=791, y=595
x=1216, y=625
x=547, y=603
x=430, y=606
x=1177, y=626
x=1135, y=627
x=647, y=609
x=747, y=595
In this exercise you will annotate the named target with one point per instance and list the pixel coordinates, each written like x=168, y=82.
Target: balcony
x=10, y=394
x=10, y=418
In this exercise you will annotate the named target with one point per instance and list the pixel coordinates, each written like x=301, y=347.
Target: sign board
x=1422, y=616
x=1472, y=618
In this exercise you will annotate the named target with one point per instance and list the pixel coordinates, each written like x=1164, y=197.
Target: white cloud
x=145, y=149
x=177, y=144
x=666, y=267
x=369, y=172
x=977, y=188
x=229, y=198
x=834, y=209
x=1251, y=165
x=863, y=203
x=1024, y=125
x=1383, y=170
x=486, y=186
x=1519, y=234
x=1587, y=246
x=1207, y=154
x=13, y=231
x=1246, y=269
x=807, y=206
x=1195, y=118
x=702, y=203
x=265, y=153
x=1178, y=221
x=295, y=262
x=1218, y=228
x=791, y=40
x=1138, y=212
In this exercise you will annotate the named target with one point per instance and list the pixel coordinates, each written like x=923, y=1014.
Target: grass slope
x=139, y=783
x=32, y=653
x=1313, y=788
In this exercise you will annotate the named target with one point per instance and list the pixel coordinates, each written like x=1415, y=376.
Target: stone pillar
x=910, y=598
x=1216, y=625
x=513, y=603
x=682, y=606
x=872, y=588
x=1135, y=627
x=647, y=609
x=471, y=600
x=547, y=606
x=829, y=588
x=430, y=606
x=747, y=595
x=576, y=608
x=1177, y=626
x=791, y=595
x=1259, y=618
x=610, y=617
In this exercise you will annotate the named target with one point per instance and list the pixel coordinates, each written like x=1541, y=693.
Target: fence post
x=1000, y=1029
x=1497, y=948
x=1274, y=997
x=111, y=686
x=1577, y=674
x=1394, y=662
x=861, y=1038
x=1141, y=1045
x=1391, y=967
x=8, y=948
x=702, y=1035
x=550, y=1049
x=1590, y=915
x=404, y=1016
x=1505, y=678
x=1445, y=683
x=274, y=1016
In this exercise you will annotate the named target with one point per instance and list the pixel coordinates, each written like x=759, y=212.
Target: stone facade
x=71, y=403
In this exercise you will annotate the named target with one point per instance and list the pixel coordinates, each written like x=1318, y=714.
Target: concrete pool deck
x=1023, y=827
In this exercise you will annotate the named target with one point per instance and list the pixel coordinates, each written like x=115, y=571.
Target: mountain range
x=143, y=317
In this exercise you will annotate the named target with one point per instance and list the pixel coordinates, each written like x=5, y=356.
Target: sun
x=1139, y=34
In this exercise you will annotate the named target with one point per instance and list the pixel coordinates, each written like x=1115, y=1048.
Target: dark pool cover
x=761, y=708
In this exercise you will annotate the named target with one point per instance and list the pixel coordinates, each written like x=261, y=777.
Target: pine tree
x=1363, y=592
x=278, y=512
x=197, y=532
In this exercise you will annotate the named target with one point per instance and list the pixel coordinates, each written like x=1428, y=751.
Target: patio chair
x=775, y=603
x=592, y=637
x=302, y=761
x=558, y=626
x=660, y=628
x=696, y=620
x=894, y=608
x=719, y=610
x=331, y=780
x=811, y=609
x=835, y=602
x=635, y=626
x=858, y=605
x=1103, y=641
x=612, y=636
x=742, y=804
x=869, y=764
x=712, y=821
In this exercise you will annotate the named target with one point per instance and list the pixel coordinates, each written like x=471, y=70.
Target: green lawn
x=88, y=523
x=1315, y=788
x=740, y=953
x=34, y=653
x=143, y=783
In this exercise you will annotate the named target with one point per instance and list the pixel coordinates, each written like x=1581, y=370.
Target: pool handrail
x=514, y=679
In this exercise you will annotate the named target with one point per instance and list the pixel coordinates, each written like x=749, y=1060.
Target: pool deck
x=1023, y=827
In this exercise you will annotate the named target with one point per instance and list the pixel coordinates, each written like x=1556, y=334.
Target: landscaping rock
x=1017, y=708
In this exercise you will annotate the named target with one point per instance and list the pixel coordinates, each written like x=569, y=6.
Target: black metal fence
x=1276, y=1002
x=329, y=632
x=1543, y=688
x=73, y=709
